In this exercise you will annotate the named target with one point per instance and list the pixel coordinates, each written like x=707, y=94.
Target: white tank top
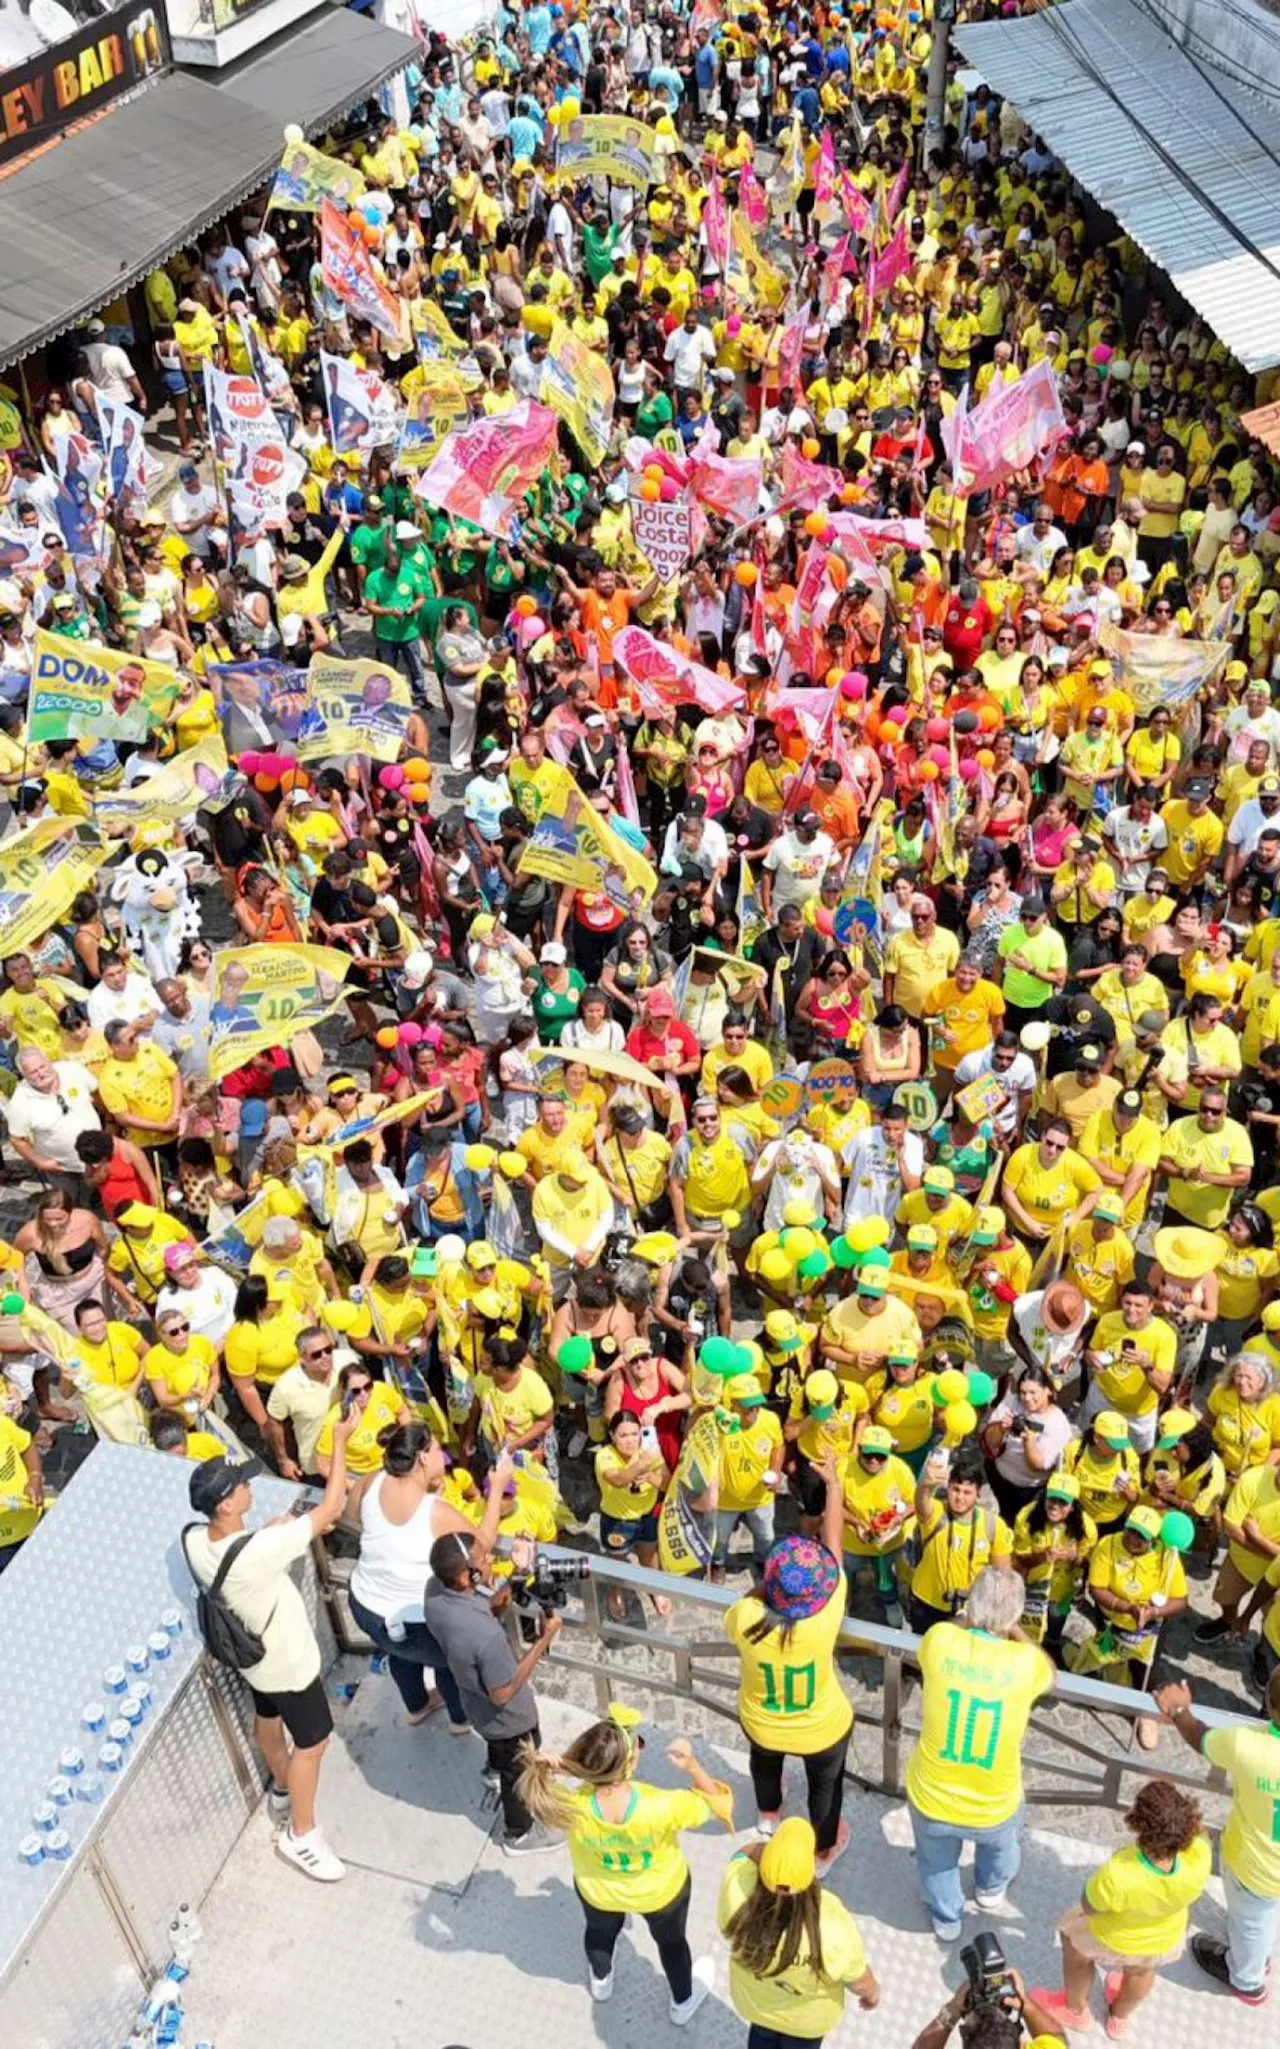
x=393, y=1567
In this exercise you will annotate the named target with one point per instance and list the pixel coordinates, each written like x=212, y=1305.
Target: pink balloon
x=969, y=770
x=733, y=325
x=391, y=776
x=854, y=686
x=938, y=729
x=410, y=1034
x=822, y=918
x=668, y=490
x=940, y=755
x=896, y=717
x=529, y=630
x=251, y=763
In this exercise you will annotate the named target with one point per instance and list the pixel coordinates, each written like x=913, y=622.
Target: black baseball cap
x=215, y=1479
x=1199, y=789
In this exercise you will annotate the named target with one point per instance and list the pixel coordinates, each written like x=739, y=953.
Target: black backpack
x=226, y=1637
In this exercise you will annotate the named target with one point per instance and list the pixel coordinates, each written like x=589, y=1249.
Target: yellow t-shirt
x=1138, y=1910
x=835, y=1434
x=800, y=2000
x=1099, y=1267
x=789, y=1694
x=1192, y=840
x=754, y=1059
x=954, y=1553
x=1245, y=1433
x=636, y=1865
x=1134, y=1576
x=263, y=1351
x=1124, y=1384
x=978, y=1695
x=849, y=1327
x=746, y=1454
x=186, y=1374
x=141, y=1087
x=34, y=1017
x=1194, y=1152
x=364, y=1453
x=954, y=1220
x=908, y=1412
x=1122, y=1151
x=880, y=1499
x=114, y=1362
x=625, y=1503
x=1098, y=1477
x=1260, y=1009
x=512, y=1411
x=1249, y=1752
x=1049, y=1193
x=969, y=1020
x=1254, y=1498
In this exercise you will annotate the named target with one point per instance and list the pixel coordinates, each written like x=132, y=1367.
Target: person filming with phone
x=993, y=2008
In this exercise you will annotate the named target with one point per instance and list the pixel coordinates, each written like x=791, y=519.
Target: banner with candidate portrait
x=571, y=842
x=363, y=411
x=1155, y=670
x=263, y=995
x=260, y=703
x=577, y=384
x=353, y=708
x=175, y=792
x=256, y=467
x=483, y=471
x=42, y=871
x=307, y=176
x=128, y=466
x=607, y=146
x=348, y=271
x=80, y=691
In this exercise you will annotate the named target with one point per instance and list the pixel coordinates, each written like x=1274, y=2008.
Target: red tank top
x=122, y=1186
x=667, y=1427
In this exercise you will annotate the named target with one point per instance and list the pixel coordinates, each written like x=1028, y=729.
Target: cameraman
x=1013, y=2018
x=493, y=1683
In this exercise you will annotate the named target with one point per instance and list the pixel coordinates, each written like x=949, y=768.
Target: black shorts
x=306, y=1715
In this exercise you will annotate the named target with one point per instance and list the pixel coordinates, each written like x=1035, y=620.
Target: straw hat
x=1189, y=1254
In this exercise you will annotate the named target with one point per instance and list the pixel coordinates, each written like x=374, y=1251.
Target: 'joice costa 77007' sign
x=51, y=83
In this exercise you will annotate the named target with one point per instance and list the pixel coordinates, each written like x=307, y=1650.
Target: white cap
x=407, y=531
x=553, y=954
x=417, y=967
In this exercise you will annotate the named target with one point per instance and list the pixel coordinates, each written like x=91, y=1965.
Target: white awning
x=1186, y=159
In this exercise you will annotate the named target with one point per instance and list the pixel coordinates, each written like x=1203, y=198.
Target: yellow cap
x=487, y=1302
x=788, y=1861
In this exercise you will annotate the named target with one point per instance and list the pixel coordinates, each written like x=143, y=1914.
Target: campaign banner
x=128, y=467
x=684, y=1534
x=749, y=274
x=661, y=533
x=435, y=341
x=1155, y=671
x=174, y=792
x=363, y=411
x=307, y=176
x=728, y=484
x=257, y=467
x=572, y=842
x=857, y=208
x=58, y=70
x=677, y=678
x=752, y=199
x=347, y=269
x=577, y=384
x=607, y=146
x=1005, y=432
x=805, y=485
x=484, y=470
x=260, y=703
x=262, y=995
x=715, y=222
x=42, y=870
x=353, y=708
x=80, y=503
x=80, y=691
x=893, y=261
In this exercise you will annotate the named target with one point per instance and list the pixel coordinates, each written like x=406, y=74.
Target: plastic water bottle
x=89, y=1789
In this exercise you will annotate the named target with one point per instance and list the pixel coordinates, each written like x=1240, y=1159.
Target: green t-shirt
x=368, y=546
x=403, y=590
x=1045, y=949
x=655, y=413
x=597, y=251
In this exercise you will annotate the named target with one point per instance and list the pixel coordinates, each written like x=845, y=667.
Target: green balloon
x=717, y=1355
x=813, y=1266
x=575, y=1355
x=11, y=1303
x=843, y=1253
x=981, y=1387
x=741, y=1362
x=876, y=1257
x=1177, y=1531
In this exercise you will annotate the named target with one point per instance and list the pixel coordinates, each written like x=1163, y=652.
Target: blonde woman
x=794, y=1950
x=624, y=1843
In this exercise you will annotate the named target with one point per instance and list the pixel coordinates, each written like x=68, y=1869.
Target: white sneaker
x=533, y=1839
x=704, y=1977
x=601, y=1988
x=577, y=1444
x=767, y=1824
x=311, y=1854
x=986, y=1902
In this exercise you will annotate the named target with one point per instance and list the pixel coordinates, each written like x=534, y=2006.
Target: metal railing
x=1088, y=1768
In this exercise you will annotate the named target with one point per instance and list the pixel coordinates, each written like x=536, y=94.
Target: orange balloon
x=989, y=718
x=655, y=471
x=833, y=676
x=295, y=779
x=745, y=574
x=849, y=495
x=387, y=1039
x=650, y=491
x=815, y=523
x=927, y=771
x=416, y=770
x=871, y=727
x=985, y=758
x=526, y=607
x=264, y=783
x=811, y=449
x=418, y=793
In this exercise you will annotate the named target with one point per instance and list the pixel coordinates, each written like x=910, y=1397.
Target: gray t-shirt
x=480, y=1658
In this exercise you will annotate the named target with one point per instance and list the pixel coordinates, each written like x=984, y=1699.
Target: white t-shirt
x=875, y=1182
x=1054, y=1436
x=133, y=1001
x=687, y=353
x=110, y=371
x=52, y=1124
x=259, y=1590
x=1129, y=837
x=394, y=1565
x=201, y=504
x=1018, y=1079
x=797, y=869
x=209, y=1307
x=1049, y=1348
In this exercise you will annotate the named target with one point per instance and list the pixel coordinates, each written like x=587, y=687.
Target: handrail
x=1094, y=1781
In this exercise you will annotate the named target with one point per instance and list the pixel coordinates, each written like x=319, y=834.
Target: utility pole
x=944, y=15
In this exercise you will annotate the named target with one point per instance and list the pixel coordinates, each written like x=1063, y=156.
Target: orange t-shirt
x=604, y=617
x=837, y=811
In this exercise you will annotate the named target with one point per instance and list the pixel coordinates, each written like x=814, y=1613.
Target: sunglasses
x=317, y=1351
x=177, y=1326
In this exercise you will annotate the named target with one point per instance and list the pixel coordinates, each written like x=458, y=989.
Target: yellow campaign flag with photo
x=436, y=342
x=353, y=708
x=263, y=995
x=172, y=793
x=306, y=176
x=749, y=273
x=80, y=691
x=41, y=871
x=684, y=1543
x=609, y=146
x=577, y=384
x=572, y=843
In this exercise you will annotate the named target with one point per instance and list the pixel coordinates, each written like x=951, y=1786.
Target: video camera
x=991, y=1986
x=543, y=1587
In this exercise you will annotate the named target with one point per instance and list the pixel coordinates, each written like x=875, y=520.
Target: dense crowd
x=810, y=1002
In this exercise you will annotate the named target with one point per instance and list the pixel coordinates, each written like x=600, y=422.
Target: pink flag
x=813, y=575
x=628, y=804
x=853, y=544
x=729, y=484
x=894, y=259
x=759, y=617
x=715, y=219
x=674, y=676
x=1007, y=431
x=895, y=195
x=348, y=271
x=483, y=471
x=825, y=176
x=858, y=210
x=903, y=533
x=805, y=485
x=833, y=272
x=751, y=197
x=790, y=350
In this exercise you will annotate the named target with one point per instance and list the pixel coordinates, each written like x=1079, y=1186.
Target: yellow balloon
x=570, y=109
x=775, y=1266
x=479, y=1158
x=340, y=1316
x=959, y=1420
x=952, y=1387
x=799, y=1243
x=869, y=1232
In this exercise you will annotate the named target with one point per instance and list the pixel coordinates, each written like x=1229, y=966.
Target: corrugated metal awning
x=83, y=220
x=1185, y=158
